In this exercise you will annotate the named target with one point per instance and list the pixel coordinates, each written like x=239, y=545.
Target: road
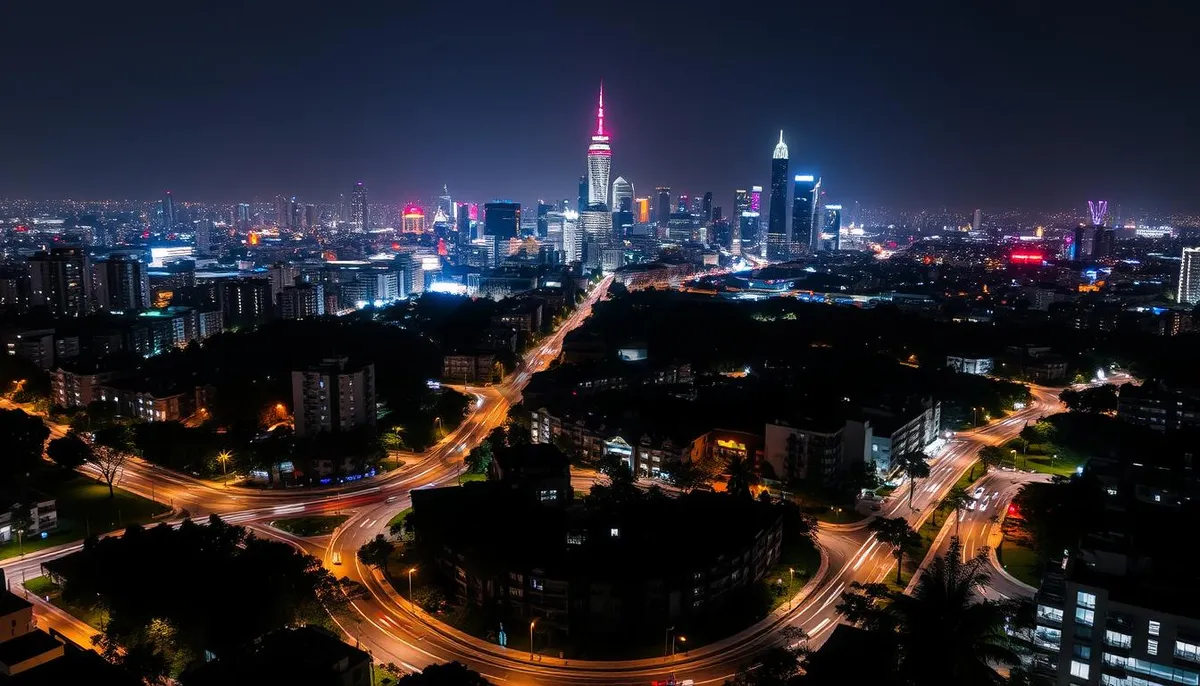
x=393, y=632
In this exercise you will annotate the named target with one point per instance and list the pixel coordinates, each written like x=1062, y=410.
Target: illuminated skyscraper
x=806, y=226
x=706, y=208
x=1189, y=277
x=599, y=159
x=412, y=219
x=776, y=248
x=831, y=233
x=167, y=212
x=359, y=216
x=446, y=204
x=756, y=198
x=243, y=214
x=662, y=208
x=642, y=210
x=622, y=195
x=543, y=210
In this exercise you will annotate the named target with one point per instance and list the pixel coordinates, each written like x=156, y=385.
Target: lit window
x=1085, y=599
x=1117, y=639
x=614, y=532
x=1183, y=650
x=1080, y=669
x=1082, y=651
x=1085, y=617
x=537, y=584
x=1051, y=613
x=1153, y=627
x=1152, y=647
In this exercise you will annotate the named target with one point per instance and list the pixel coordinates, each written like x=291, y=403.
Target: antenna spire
x=600, y=112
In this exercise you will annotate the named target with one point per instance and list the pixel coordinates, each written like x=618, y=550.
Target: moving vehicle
x=337, y=558
x=979, y=491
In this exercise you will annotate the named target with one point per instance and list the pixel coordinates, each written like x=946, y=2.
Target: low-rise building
x=469, y=369
x=970, y=364
x=43, y=516
x=76, y=388
x=1158, y=406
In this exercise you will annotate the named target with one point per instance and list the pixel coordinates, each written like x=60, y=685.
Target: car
x=980, y=491
x=390, y=499
x=971, y=505
x=337, y=558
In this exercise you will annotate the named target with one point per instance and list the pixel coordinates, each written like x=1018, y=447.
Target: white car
x=971, y=505
x=979, y=492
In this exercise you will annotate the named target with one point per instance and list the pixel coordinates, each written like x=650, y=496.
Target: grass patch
x=316, y=525
x=399, y=517
x=1019, y=561
x=824, y=506
x=83, y=508
x=468, y=477
x=95, y=617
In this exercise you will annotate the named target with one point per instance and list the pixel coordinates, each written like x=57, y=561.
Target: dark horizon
x=901, y=106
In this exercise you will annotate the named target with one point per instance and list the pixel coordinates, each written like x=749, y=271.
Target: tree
x=448, y=674
x=943, y=632
x=70, y=451
x=946, y=634
x=915, y=467
x=896, y=533
x=375, y=552
x=778, y=665
x=20, y=521
x=109, y=462
x=990, y=456
x=479, y=460
x=957, y=500
x=741, y=477
x=24, y=437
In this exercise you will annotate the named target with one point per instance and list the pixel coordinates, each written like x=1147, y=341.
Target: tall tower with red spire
x=599, y=160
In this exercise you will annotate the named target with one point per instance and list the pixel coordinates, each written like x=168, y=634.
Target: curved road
x=388, y=627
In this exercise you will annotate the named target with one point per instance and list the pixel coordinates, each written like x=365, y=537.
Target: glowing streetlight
x=223, y=458
x=410, y=595
x=531, y=625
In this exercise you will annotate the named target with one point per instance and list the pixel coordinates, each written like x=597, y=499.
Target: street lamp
x=791, y=581
x=1014, y=457
x=531, y=625
x=223, y=458
x=411, y=607
x=682, y=639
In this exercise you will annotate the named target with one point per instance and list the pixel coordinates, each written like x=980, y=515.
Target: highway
x=393, y=632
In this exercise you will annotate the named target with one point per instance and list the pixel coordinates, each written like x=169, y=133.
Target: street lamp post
x=681, y=639
x=791, y=581
x=1052, y=459
x=1014, y=457
x=223, y=458
x=667, y=639
x=411, y=607
x=531, y=625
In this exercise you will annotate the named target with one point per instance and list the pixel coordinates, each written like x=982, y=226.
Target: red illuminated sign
x=1027, y=257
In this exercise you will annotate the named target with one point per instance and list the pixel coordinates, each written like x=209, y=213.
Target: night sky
x=893, y=103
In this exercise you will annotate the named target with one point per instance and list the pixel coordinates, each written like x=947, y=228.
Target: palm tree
x=897, y=533
x=958, y=500
x=946, y=633
x=741, y=477
x=914, y=466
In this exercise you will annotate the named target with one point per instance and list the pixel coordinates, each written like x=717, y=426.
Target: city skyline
x=967, y=107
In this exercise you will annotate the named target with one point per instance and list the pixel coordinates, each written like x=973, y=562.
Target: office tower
x=976, y=220
x=120, y=284
x=806, y=230
x=776, y=248
x=563, y=234
x=343, y=210
x=281, y=211
x=167, y=212
x=245, y=302
x=1189, y=277
x=60, y=280
x=1081, y=243
x=622, y=222
x=281, y=276
x=746, y=232
x=1103, y=243
x=412, y=219
x=599, y=160
x=582, y=202
x=297, y=215
x=642, y=210
x=543, y=210
x=333, y=397
x=302, y=301
x=359, y=214
x=243, y=213
x=502, y=219
x=756, y=198
x=445, y=203
x=310, y=217
x=831, y=234
x=741, y=202
x=597, y=226
x=622, y=195
x=662, y=209
x=202, y=238
x=464, y=224
x=697, y=207
x=706, y=207
x=683, y=204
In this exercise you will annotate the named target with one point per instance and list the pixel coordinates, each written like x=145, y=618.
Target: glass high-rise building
x=1189, y=277
x=359, y=215
x=502, y=219
x=831, y=233
x=806, y=228
x=622, y=195
x=777, y=249
x=599, y=161
x=662, y=208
